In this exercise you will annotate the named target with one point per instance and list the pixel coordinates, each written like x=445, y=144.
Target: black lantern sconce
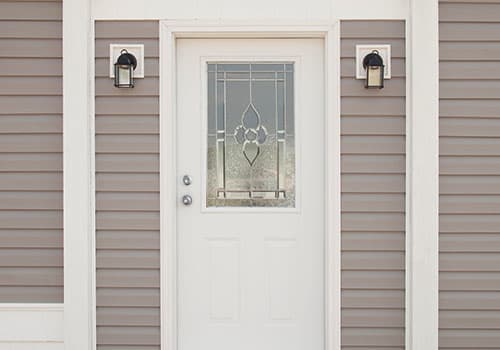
x=125, y=66
x=374, y=66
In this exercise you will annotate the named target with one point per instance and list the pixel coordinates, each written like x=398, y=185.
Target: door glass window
x=251, y=151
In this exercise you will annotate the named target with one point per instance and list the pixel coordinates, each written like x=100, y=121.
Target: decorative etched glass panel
x=251, y=152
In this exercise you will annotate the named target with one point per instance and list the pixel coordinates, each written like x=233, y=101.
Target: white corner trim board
x=78, y=161
x=31, y=326
x=422, y=238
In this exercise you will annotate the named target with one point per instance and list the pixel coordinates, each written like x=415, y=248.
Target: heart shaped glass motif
x=251, y=134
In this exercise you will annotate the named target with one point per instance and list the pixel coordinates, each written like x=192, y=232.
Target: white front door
x=250, y=161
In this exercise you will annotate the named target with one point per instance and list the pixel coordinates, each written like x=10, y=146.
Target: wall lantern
x=374, y=66
x=125, y=66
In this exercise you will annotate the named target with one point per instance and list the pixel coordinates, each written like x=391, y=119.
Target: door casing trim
x=170, y=31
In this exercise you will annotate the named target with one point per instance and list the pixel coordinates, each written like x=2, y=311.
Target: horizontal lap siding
x=469, y=175
x=127, y=195
x=31, y=198
x=373, y=193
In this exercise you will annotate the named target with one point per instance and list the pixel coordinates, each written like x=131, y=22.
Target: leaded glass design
x=251, y=134
x=251, y=152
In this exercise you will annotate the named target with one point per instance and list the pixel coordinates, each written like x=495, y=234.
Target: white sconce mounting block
x=137, y=50
x=383, y=50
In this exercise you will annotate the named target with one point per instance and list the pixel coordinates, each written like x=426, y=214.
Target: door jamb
x=169, y=32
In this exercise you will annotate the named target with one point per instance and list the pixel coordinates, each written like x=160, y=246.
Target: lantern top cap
x=373, y=59
x=126, y=59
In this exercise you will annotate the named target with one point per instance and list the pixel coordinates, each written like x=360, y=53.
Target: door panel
x=250, y=245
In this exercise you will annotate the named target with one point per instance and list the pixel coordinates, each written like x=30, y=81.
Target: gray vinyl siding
x=31, y=209
x=127, y=195
x=469, y=315
x=373, y=193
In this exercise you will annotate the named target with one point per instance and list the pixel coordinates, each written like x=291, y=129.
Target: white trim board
x=169, y=31
x=366, y=10
x=78, y=165
x=422, y=211
x=31, y=325
x=277, y=10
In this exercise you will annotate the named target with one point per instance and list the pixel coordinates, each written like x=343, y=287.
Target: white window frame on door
x=170, y=31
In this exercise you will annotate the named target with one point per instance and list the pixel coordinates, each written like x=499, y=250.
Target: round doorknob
x=186, y=180
x=187, y=199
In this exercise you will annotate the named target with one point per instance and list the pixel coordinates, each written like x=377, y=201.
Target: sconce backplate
x=135, y=49
x=363, y=50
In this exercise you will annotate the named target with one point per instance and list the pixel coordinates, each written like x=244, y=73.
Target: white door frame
x=169, y=32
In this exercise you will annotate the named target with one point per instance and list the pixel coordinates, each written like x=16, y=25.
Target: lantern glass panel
x=375, y=77
x=123, y=76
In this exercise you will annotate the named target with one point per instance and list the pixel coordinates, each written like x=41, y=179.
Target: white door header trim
x=277, y=10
